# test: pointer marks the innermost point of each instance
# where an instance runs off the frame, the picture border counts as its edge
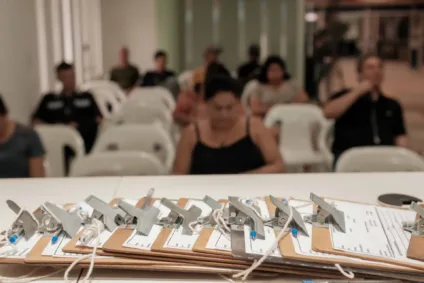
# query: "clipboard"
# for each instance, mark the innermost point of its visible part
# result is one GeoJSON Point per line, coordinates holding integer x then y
{"type": "Point", "coordinates": [288, 250]}
{"type": "Point", "coordinates": [114, 245]}
{"type": "Point", "coordinates": [72, 246]}
{"type": "Point", "coordinates": [321, 242]}
{"type": "Point", "coordinates": [416, 245]}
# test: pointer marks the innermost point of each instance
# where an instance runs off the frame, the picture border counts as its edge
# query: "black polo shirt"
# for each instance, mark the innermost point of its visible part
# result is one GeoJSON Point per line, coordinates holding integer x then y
{"type": "Point", "coordinates": [368, 123]}
{"type": "Point", "coordinates": [153, 78]}
{"type": "Point", "coordinates": [248, 71]}
{"type": "Point", "coordinates": [80, 108]}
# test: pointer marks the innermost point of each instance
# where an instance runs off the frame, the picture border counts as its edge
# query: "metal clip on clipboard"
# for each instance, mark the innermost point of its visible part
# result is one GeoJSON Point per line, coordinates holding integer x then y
{"type": "Point", "coordinates": [326, 214]}
{"type": "Point", "coordinates": [416, 227]}
{"type": "Point", "coordinates": [240, 215]}
{"type": "Point", "coordinates": [145, 217]}
{"type": "Point", "coordinates": [180, 216]}
{"type": "Point", "coordinates": [111, 216]}
{"type": "Point", "coordinates": [25, 224]}
{"type": "Point", "coordinates": [282, 213]}
{"type": "Point", "coordinates": [60, 220]}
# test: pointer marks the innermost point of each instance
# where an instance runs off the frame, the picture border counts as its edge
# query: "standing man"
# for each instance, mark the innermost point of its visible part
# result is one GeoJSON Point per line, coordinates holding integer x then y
{"type": "Point", "coordinates": [126, 74]}
{"type": "Point", "coordinates": [251, 69]}
{"type": "Point", "coordinates": [364, 115]}
{"type": "Point", "coordinates": [160, 74]}
{"type": "Point", "coordinates": [70, 107]}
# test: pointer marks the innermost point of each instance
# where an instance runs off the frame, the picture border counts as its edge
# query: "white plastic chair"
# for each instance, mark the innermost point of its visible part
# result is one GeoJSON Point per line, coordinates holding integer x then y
{"type": "Point", "coordinates": [108, 85]}
{"type": "Point", "coordinates": [157, 95]}
{"type": "Point", "coordinates": [303, 132]}
{"type": "Point", "coordinates": [152, 139]}
{"type": "Point", "coordinates": [125, 163]}
{"type": "Point", "coordinates": [185, 78]}
{"type": "Point", "coordinates": [137, 112]}
{"type": "Point", "coordinates": [379, 159]}
{"type": "Point", "coordinates": [105, 98]}
{"type": "Point", "coordinates": [247, 92]}
{"type": "Point", "coordinates": [54, 139]}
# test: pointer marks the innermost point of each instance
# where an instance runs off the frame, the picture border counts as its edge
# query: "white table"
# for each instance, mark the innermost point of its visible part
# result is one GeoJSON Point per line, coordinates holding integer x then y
{"type": "Point", "coordinates": [355, 187]}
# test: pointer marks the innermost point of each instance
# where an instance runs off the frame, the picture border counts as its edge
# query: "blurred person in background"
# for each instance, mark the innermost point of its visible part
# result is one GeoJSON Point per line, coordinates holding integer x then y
{"type": "Point", "coordinates": [364, 115]}
{"type": "Point", "coordinates": [190, 104]}
{"type": "Point", "coordinates": [21, 151]}
{"type": "Point", "coordinates": [274, 86]}
{"type": "Point", "coordinates": [226, 142]}
{"type": "Point", "coordinates": [250, 70]}
{"type": "Point", "coordinates": [125, 74]}
{"type": "Point", "coordinates": [210, 55]}
{"type": "Point", "coordinates": [70, 107]}
{"type": "Point", "coordinates": [160, 74]}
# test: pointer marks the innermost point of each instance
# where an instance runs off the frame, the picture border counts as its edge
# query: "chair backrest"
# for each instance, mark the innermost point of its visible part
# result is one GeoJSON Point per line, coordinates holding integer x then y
{"type": "Point", "coordinates": [55, 138]}
{"type": "Point", "coordinates": [247, 91]}
{"type": "Point", "coordinates": [152, 139]}
{"type": "Point", "coordinates": [108, 85]}
{"type": "Point", "coordinates": [153, 94]}
{"type": "Point", "coordinates": [379, 159]}
{"type": "Point", "coordinates": [294, 113]}
{"type": "Point", "coordinates": [118, 163]}
{"type": "Point", "coordinates": [136, 112]}
{"type": "Point", "coordinates": [185, 78]}
{"type": "Point", "coordinates": [107, 102]}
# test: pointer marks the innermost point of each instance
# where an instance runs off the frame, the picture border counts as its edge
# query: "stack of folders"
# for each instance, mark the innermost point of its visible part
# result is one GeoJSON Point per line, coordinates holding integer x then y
{"type": "Point", "coordinates": [319, 238]}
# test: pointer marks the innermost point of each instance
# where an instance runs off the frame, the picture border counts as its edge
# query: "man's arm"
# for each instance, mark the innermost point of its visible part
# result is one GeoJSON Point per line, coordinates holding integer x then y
{"type": "Point", "coordinates": [401, 138]}
{"type": "Point", "coordinates": [40, 115]}
{"type": "Point", "coordinates": [341, 102]}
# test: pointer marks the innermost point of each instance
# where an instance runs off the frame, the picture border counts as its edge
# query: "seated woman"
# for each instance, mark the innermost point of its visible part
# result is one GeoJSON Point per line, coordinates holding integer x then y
{"type": "Point", "coordinates": [274, 86]}
{"type": "Point", "coordinates": [226, 142]}
{"type": "Point", "coordinates": [21, 151]}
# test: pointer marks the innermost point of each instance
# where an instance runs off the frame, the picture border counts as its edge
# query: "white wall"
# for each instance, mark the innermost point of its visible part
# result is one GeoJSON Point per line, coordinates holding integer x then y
{"type": "Point", "coordinates": [131, 23]}
{"type": "Point", "coordinates": [19, 80]}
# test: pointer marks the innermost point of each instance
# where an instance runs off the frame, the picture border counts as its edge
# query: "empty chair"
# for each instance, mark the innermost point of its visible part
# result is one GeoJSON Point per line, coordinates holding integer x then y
{"type": "Point", "coordinates": [108, 85]}
{"type": "Point", "coordinates": [107, 102]}
{"type": "Point", "coordinates": [153, 94]}
{"type": "Point", "coordinates": [185, 78]}
{"type": "Point", "coordinates": [303, 132]}
{"type": "Point", "coordinates": [117, 163]}
{"type": "Point", "coordinates": [137, 112]}
{"type": "Point", "coordinates": [379, 159]}
{"type": "Point", "coordinates": [55, 138]}
{"type": "Point", "coordinates": [245, 97]}
{"type": "Point", "coordinates": [152, 139]}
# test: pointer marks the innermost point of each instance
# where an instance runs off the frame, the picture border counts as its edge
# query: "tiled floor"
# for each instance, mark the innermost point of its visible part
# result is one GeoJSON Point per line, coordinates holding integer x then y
{"type": "Point", "coordinates": [407, 87]}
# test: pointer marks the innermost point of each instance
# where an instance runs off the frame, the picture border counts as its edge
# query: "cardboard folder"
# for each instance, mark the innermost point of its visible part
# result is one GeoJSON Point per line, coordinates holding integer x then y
{"type": "Point", "coordinates": [416, 246]}
{"type": "Point", "coordinates": [321, 242]}
{"type": "Point", "coordinates": [288, 251]}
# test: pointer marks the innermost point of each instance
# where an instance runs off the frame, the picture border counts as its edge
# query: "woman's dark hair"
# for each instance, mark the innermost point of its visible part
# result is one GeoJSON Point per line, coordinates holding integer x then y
{"type": "Point", "coordinates": [3, 107]}
{"type": "Point", "coordinates": [221, 83]}
{"type": "Point", "coordinates": [213, 69]}
{"type": "Point", "coordinates": [274, 59]}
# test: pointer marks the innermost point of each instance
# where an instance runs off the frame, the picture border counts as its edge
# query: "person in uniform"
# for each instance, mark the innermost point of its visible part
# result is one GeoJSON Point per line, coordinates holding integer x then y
{"type": "Point", "coordinates": [70, 107]}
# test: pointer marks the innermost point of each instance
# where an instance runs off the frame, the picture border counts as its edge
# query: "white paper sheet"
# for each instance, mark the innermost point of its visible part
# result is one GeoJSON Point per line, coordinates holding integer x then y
{"type": "Point", "coordinates": [185, 242]}
{"type": "Point", "coordinates": [373, 231]}
{"type": "Point", "coordinates": [260, 247]}
{"type": "Point", "coordinates": [22, 246]}
{"type": "Point", "coordinates": [55, 250]}
{"type": "Point", "coordinates": [217, 241]}
{"type": "Point", "coordinates": [141, 242]}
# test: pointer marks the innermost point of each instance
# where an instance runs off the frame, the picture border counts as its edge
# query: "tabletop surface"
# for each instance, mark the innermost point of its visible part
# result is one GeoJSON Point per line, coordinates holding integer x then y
{"type": "Point", "coordinates": [363, 187]}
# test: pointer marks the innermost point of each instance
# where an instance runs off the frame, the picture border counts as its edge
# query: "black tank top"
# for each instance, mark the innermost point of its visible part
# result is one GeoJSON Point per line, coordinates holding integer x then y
{"type": "Point", "coordinates": [242, 156]}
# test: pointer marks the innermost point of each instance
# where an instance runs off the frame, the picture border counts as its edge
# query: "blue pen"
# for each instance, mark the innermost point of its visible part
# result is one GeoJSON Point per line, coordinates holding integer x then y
{"type": "Point", "coordinates": [15, 237]}
{"type": "Point", "coordinates": [55, 237]}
